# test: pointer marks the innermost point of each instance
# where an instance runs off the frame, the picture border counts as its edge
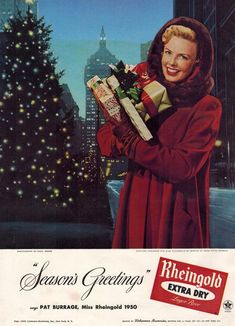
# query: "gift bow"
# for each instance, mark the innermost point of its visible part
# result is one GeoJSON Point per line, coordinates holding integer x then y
{"type": "Point", "coordinates": [149, 97]}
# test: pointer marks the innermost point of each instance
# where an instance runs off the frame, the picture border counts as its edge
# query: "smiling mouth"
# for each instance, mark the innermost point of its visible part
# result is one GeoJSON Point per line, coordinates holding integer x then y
{"type": "Point", "coordinates": [172, 71]}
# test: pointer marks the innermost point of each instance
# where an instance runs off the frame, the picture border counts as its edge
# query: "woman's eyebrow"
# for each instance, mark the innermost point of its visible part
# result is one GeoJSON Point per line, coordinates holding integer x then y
{"type": "Point", "coordinates": [166, 48]}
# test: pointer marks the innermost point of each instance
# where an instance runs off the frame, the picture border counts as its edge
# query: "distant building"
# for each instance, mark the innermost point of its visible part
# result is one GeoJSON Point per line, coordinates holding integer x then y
{"type": "Point", "coordinates": [11, 7]}
{"type": "Point", "coordinates": [69, 114]}
{"type": "Point", "coordinates": [69, 102]}
{"type": "Point", "coordinates": [98, 64]}
{"type": "Point", "coordinates": [144, 48]}
{"type": "Point", "coordinates": [188, 8]}
{"type": "Point", "coordinates": [81, 134]}
{"type": "Point", "coordinates": [219, 17]}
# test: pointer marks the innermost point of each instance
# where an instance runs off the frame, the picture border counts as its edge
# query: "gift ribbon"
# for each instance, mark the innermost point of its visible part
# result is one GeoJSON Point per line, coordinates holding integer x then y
{"type": "Point", "coordinates": [154, 99]}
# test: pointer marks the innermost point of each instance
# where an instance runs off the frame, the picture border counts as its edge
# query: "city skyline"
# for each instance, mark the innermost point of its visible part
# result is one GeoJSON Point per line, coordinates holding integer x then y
{"type": "Point", "coordinates": [76, 31]}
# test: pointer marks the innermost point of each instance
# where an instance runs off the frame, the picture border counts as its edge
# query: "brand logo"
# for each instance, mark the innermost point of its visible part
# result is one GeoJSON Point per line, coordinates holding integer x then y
{"type": "Point", "coordinates": [228, 305]}
{"type": "Point", "coordinates": [189, 286]}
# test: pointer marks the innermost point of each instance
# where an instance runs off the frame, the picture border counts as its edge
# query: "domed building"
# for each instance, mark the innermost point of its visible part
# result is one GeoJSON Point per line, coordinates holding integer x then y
{"type": "Point", "coordinates": [97, 64]}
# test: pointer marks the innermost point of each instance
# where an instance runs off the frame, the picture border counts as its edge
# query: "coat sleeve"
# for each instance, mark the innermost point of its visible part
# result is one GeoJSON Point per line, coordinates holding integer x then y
{"type": "Point", "coordinates": [108, 143]}
{"type": "Point", "coordinates": [182, 161]}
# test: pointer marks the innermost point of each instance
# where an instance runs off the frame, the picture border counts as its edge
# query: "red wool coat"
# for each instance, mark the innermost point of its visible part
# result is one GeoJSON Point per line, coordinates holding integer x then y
{"type": "Point", "coordinates": [165, 198]}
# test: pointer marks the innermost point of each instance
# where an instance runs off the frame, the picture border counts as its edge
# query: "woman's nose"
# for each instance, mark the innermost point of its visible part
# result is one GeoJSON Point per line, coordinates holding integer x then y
{"type": "Point", "coordinates": [172, 60]}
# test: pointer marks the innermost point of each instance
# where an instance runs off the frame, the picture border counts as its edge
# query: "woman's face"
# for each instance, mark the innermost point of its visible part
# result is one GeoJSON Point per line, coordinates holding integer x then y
{"type": "Point", "coordinates": [178, 59]}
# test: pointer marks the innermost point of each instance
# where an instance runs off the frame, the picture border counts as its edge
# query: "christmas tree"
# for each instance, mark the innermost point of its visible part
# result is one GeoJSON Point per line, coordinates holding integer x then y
{"type": "Point", "coordinates": [67, 164]}
{"type": "Point", "coordinates": [29, 111]}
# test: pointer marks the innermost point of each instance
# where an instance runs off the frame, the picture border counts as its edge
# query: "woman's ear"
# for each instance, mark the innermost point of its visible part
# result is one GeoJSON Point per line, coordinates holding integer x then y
{"type": "Point", "coordinates": [197, 61]}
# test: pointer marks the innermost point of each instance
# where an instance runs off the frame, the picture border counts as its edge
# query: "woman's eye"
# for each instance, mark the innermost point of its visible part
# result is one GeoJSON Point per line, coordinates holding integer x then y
{"type": "Point", "coordinates": [167, 52]}
{"type": "Point", "coordinates": [184, 57]}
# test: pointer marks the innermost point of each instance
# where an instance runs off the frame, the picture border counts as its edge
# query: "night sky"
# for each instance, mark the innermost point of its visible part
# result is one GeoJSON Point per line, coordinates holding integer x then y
{"type": "Point", "coordinates": [76, 28]}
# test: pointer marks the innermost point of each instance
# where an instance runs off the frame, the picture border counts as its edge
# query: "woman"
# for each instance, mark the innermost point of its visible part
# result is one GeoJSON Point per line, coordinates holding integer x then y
{"type": "Point", "coordinates": [165, 199]}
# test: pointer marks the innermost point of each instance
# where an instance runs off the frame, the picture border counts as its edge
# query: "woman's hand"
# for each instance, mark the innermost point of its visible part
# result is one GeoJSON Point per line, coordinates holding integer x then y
{"type": "Point", "coordinates": [122, 127]}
